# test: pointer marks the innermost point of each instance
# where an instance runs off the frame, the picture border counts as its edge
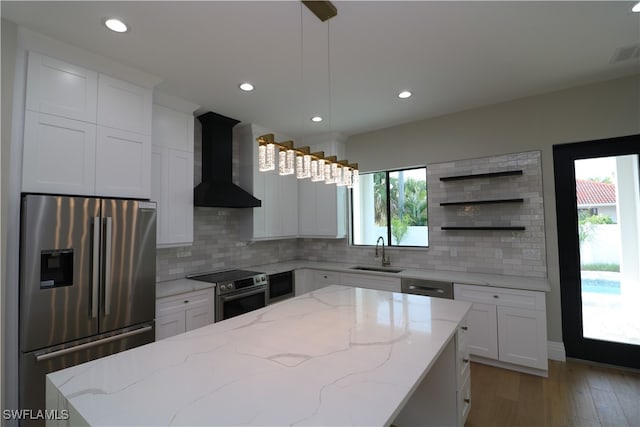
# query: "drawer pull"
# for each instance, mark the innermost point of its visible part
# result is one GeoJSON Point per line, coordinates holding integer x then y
{"type": "Point", "coordinates": [186, 301]}
{"type": "Point", "coordinates": [464, 328]}
{"type": "Point", "coordinates": [467, 400]}
{"type": "Point", "coordinates": [496, 296]}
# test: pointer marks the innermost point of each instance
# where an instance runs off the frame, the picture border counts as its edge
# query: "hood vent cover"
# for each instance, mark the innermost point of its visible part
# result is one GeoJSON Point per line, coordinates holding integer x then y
{"type": "Point", "coordinates": [217, 188]}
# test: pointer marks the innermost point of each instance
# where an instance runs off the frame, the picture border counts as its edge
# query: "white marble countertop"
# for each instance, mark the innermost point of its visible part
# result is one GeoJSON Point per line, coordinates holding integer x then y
{"type": "Point", "coordinates": [482, 279]}
{"type": "Point", "coordinates": [336, 356]}
{"type": "Point", "coordinates": [180, 286]}
{"type": "Point", "coordinates": [174, 287]}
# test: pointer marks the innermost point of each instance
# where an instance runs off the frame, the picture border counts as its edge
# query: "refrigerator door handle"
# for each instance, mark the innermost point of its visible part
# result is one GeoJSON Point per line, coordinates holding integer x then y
{"type": "Point", "coordinates": [46, 356]}
{"type": "Point", "coordinates": [96, 267]}
{"type": "Point", "coordinates": [107, 266]}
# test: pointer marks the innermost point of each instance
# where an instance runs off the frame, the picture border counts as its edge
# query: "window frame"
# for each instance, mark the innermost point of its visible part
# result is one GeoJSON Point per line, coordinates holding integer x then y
{"type": "Point", "coordinates": [387, 172]}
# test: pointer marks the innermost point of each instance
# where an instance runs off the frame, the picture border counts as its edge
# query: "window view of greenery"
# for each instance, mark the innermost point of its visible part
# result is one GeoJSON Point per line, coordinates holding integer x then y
{"type": "Point", "coordinates": [400, 195]}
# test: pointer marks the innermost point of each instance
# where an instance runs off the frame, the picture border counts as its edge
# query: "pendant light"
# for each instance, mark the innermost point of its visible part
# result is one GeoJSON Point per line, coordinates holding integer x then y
{"type": "Point", "coordinates": [266, 153]}
{"type": "Point", "coordinates": [300, 161]}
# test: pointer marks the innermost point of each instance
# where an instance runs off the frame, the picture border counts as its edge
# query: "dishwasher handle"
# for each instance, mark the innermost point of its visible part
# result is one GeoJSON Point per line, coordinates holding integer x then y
{"type": "Point", "coordinates": [430, 288]}
{"type": "Point", "coordinates": [425, 289]}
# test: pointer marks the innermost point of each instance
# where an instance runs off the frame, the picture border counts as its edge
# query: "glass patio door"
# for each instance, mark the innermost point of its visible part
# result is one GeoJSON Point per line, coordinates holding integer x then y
{"type": "Point", "coordinates": [598, 211]}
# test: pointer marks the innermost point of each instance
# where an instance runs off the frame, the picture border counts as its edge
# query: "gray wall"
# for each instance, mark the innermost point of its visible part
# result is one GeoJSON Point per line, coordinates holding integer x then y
{"type": "Point", "coordinates": [8, 73]}
{"type": "Point", "coordinates": [537, 123]}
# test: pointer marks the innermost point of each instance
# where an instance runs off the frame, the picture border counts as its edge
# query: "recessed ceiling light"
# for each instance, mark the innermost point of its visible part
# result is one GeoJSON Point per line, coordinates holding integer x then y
{"type": "Point", "coordinates": [316, 119]}
{"type": "Point", "coordinates": [636, 8]}
{"type": "Point", "coordinates": [247, 87]}
{"type": "Point", "coordinates": [116, 25]}
{"type": "Point", "coordinates": [404, 94]}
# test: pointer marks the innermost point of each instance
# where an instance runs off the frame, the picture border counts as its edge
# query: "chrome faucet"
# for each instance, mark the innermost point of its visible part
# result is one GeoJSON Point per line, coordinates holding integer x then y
{"type": "Point", "coordinates": [385, 261]}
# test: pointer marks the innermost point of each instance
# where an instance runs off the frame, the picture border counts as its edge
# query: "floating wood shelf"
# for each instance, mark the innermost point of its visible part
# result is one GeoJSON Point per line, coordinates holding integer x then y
{"type": "Point", "coordinates": [482, 175]}
{"type": "Point", "coordinates": [502, 228]}
{"type": "Point", "coordinates": [482, 202]}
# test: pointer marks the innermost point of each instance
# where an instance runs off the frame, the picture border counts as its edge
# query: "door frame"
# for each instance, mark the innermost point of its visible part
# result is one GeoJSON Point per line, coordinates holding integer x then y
{"type": "Point", "coordinates": [576, 345]}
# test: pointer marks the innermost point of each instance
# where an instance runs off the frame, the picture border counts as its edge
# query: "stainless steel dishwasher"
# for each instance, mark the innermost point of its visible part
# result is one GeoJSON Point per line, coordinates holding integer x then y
{"type": "Point", "coordinates": [430, 288]}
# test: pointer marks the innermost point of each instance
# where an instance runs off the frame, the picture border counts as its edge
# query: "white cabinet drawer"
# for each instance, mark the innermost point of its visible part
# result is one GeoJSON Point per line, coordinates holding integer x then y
{"type": "Point", "coordinates": [464, 402]}
{"type": "Point", "coordinates": [181, 302]}
{"type": "Point", "coordinates": [380, 283]}
{"type": "Point", "coordinates": [516, 298]}
{"type": "Point", "coordinates": [463, 363]}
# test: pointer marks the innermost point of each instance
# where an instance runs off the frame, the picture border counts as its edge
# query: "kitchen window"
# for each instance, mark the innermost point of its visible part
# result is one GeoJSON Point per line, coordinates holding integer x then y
{"type": "Point", "coordinates": [391, 204]}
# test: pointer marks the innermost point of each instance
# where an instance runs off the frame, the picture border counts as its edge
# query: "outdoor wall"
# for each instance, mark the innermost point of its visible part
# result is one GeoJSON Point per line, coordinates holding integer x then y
{"type": "Point", "coordinates": [584, 113]}
{"type": "Point", "coordinates": [602, 245]}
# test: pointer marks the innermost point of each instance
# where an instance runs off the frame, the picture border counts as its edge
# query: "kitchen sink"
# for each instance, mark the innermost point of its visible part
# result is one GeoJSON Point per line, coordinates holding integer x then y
{"type": "Point", "coordinates": [372, 268]}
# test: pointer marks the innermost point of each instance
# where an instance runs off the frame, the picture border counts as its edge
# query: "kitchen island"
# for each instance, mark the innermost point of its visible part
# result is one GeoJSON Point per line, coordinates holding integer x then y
{"type": "Point", "coordinates": [336, 356]}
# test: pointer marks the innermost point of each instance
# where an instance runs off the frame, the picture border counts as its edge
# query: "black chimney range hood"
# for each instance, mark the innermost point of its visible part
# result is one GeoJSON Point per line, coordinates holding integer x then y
{"type": "Point", "coordinates": [217, 188]}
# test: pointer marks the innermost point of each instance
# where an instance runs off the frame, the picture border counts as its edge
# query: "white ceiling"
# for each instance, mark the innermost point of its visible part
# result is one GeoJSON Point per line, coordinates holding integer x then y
{"type": "Point", "coordinates": [452, 55]}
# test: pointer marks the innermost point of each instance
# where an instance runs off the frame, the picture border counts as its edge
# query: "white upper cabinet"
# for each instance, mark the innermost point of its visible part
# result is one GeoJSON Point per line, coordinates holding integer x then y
{"type": "Point", "coordinates": [59, 155]}
{"type": "Point", "coordinates": [322, 210]}
{"type": "Point", "coordinates": [85, 133]}
{"type": "Point", "coordinates": [61, 89]}
{"type": "Point", "coordinates": [172, 169]}
{"type": "Point", "coordinates": [277, 218]}
{"type": "Point", "coordinates": [123, 163]}
{"type": "Point", "coordinates": [125, 106]}
{"type": "Point", "coordinates": [171, 128]}
{"type": "Point", "coordinates": [322, 207]}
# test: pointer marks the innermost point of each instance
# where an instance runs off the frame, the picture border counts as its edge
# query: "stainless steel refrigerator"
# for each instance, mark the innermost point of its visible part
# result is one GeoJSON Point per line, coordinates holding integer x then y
{"type": "Point", "coordinates": [87, 283]}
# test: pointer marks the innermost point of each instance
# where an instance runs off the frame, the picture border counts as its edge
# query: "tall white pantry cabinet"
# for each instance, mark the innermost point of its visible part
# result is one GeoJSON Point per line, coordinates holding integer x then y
{"type": "Point", "coordinates": [172, 169]}
{"type": "Point", "coordinates": [85, 133]}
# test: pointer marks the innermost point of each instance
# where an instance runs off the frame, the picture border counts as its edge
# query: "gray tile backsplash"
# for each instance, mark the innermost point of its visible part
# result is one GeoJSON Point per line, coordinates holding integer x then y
{"type": "Point", "coordinates": [218, 244]}
{"type": "Point", "coordinates": [518, 253]}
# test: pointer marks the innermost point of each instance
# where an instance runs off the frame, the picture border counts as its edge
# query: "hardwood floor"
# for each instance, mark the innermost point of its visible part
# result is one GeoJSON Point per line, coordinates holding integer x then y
{"type": "Point", "coordinates": [575, 394]}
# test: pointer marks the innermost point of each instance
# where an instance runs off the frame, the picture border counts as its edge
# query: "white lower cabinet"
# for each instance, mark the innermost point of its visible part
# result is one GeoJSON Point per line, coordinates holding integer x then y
{"type": "Point", "coordinates": [325, 278]}
{"type": "Point", "coordinates": [371, 281]}
{"type": "Point", "coordinates": [506, 325]}
{"type": "Point", "coordinates": [522, 336]}
{"type": "Point", "coordinates": [184, 312]}
{"type": "Point", "coordinates": [484, 339]}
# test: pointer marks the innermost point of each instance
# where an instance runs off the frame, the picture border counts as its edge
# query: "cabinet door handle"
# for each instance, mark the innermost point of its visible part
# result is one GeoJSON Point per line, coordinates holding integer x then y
{"type": "Point", "coordinates": [464, 328]}
{"type": "Point", "coordinates": [496, 296]}
{"type": "Point", "coordinates": [465, 360]}
{"type": "Point", "coordinates": [467, 400]}
{"type": "Point", "coordinates": [186, 301]}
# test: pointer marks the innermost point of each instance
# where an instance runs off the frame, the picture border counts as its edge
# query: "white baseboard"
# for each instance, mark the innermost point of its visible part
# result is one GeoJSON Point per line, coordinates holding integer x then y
{"type": "Point", "coordinates": [556, 351]}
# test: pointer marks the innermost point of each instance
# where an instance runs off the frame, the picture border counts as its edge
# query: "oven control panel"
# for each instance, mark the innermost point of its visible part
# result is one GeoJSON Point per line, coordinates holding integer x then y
{"type": "Point", "coordinates": [247, 283]}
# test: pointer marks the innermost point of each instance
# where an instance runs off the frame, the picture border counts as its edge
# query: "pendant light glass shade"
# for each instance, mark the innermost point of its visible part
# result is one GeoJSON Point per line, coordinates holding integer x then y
{"type": "Point", "coordinates": [282, 162]}
{"type": "Point", "coordinates": [328, 176]}
{"type": "Point", "coordinates": [347, 174]}
{"type": "Point", "coordinates": [286, 162]}
{"type": "Point", "coordinates": [303, 166]}
{"type": "Point", "coordinates": [355, 178]}
{"type": "Point", "coordinates": [317, 170]}
{"type": "Point", "coordinates": [291, 162]}
{"type": "Point", "coordinates": [266, 157]}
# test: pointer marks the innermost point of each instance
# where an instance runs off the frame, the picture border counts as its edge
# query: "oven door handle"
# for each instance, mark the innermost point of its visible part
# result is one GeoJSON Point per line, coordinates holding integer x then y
{"type": "Point", "coordinates": [235, 296]}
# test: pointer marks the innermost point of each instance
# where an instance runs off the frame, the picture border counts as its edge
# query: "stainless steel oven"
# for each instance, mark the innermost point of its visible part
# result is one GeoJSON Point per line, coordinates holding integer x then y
{"type": "Point", "coordinates": [237, 291]}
